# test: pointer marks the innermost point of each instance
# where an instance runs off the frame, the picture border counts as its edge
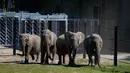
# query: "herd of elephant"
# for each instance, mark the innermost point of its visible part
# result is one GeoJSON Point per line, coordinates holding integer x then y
{"type": "Point", "coordinates": [48, 45]}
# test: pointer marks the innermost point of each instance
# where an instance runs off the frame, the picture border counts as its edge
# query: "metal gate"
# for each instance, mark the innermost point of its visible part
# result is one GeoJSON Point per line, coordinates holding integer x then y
{"type": "Point", "coordinates": [12, 24]}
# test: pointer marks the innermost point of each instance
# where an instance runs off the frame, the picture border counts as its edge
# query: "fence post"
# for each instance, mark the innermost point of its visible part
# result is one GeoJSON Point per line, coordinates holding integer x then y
{"type": "Point", "coordinates": [115, 46]}
{"type": "Point", "coordinates": [14, 39]}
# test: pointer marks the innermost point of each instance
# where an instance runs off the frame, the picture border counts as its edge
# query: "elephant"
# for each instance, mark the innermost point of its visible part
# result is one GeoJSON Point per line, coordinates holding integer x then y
{"type": "Point", "coordinates": [62, 49]}
{"type": "Point", "coordinates": [48, 46]}
{"type": "Point", "coordinates": [30, 44]}
{"type": "Point", "coordinates": [93, 44]}
{"type": "Point", "coordinates": [73, 40]}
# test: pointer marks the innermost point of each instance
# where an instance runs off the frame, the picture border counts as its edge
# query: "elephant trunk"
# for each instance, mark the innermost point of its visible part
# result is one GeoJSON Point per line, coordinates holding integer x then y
{"type": "Point", "coordinates": [48, 52]}
{"type": "Point", "coordinates": [23, 46]}
{"type": "Point", "coordinates": [74, 43]}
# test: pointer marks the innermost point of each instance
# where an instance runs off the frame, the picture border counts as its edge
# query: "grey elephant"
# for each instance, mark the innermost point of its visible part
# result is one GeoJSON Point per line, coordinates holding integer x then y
{"type": "Point", "coordinates": [48, 46]}
{"type": "Point", "coordinates": [30, 45]}
{"type": "Point", "coordinates": [62, 49]}
{"type": "Point", "coordinates": [73, 40]}
{"type": "Point", "coordinates": [93, 44]}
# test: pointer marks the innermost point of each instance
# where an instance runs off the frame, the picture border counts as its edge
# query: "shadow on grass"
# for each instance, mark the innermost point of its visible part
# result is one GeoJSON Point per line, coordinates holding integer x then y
{"type": "Point", "coordinates": [65, 65]}
{"type": "Point", "coordinates": [15, 62]}
{"type": "Point", "coordinates": [20, 62]}
{"type": "Point", "coordinates": [77, 65]}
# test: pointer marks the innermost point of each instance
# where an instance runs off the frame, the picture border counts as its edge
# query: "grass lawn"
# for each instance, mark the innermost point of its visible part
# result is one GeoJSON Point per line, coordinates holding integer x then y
{"type": "Point", "coordinates": [37, 68]}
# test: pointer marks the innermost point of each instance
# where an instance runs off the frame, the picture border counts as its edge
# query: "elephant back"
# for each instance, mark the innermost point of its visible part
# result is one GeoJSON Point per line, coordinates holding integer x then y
{"type": "Point", "coordinates": [61, 36]}
{"type": "Point", "coordinates": [23, 35]}
{"type": "Point", "coordinates": [61, 39]}
{"type": "Point", "coordinates": [36, 38]}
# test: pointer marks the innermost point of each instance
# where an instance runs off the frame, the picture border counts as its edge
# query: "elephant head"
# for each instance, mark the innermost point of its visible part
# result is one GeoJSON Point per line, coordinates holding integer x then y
{"type": "Point", "coordinates": [24, 41]}
{"type": "Point", "coordinates": [74, 40]}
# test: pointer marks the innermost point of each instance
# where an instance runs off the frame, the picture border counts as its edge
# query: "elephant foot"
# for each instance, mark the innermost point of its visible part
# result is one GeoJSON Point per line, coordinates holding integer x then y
{"type": "Point", "coordinates": [42, 62]}
{"type": "Point", "coordinates": [92, 65]}
{"type": "Point", "coordinates": [37, 61]}
{"type": "Point", "coordinates": [46, 63]}
{"type": "Point", "coordinates": [72, 63]}
{"type": "Point", "coordinates": [26, 62]}
{"type": "Point", "coordinates": [33, 58]}
{"type": "Point", "coordinates": [64, 63]}
{"type": "Point", "coordinates": [88, 64]}
{"type": "Point", "coordinates": [99, 66]}
{"type": "Point", "coordinates": [59, 63]}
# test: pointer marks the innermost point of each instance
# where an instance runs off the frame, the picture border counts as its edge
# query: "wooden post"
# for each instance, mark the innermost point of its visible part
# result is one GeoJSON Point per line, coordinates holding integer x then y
{"type": "Point", "coordinates": [115, 46]}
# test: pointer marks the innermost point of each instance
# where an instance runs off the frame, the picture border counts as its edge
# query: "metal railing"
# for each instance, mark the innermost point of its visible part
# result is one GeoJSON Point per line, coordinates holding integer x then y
{"type": "Point", "coordinates": [24, 22]}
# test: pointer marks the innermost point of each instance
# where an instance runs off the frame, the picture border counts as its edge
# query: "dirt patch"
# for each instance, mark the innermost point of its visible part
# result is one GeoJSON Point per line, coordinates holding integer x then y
{"type": "Point", "coordinates": [6, 56]}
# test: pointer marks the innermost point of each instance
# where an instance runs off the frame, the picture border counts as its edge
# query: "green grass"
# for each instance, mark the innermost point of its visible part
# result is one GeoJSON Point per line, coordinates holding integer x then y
{"type": "Point", "coordinates": [37, 68]}
{"type": "Point", "coordinates": [80, 68]}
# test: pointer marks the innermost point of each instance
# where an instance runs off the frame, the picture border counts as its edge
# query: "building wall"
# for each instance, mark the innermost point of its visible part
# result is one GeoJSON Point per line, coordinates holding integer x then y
{"type": "Point", "coordinates": [107, 23]}
{"type": "Point", "coordinates": [112, 12]}
{"type": "Point", "coordinates": [124, 26]}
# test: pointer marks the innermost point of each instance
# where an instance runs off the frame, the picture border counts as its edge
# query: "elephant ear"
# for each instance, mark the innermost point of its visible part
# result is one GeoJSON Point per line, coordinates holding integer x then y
{"type": "Point", "coordinates": [81, 37]}
{"type": "Point", "coordinates": [78, 38]}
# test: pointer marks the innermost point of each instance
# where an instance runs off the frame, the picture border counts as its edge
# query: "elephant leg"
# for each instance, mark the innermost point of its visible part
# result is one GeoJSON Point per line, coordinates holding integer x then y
{"type": "Point", "coordinates": [74, 54]}
{"type": "Point", "coordinates": [46, 60]}
{"type": "Point", "coordinates": [26, 58]}
{"type": "Point", "coordinates": [90, 60]}
{"type": "Point", "coordinates": [43, 57]}
{"type": "Point", "coordinates": [53, 53]}
{"type": "Point", "coordinates": [64, 59]}
{"type": "Point", "coordinates": [32, 55]}
{"type": "Point", "coordinates": [97, 61]}
{"type": "Point", "coordinates": [60, 60]}
{"type": "Point", "coordinates": [53, 57]}
{"type": "Point", "coordinates": [27, 52]}
{"type": "Point", "coordinates": [38, 54]}
{"type": "Point", "coordinates": [70, 57]}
